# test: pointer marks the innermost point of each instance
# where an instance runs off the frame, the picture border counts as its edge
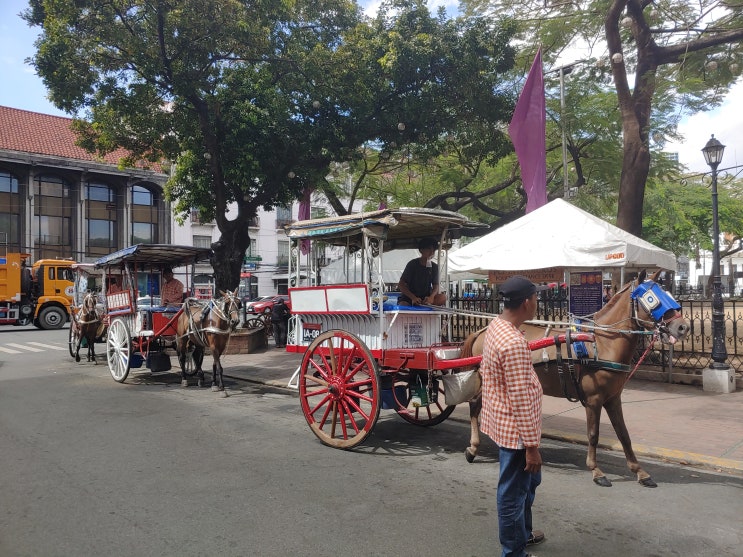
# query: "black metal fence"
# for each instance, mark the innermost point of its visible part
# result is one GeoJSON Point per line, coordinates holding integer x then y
{"type": "Point", "coordinates": [478, 306]}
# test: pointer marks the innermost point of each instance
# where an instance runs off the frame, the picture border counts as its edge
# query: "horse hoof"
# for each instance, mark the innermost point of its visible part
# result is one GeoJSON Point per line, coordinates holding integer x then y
{"type": "Point", "coordinates": [648, 482]}
{"type": "Point", "coordinates": [77, 358]}
{"type": "Point", "coordinates": [215, 389]}
{"type": "Point", "coordinates": [184, 383]}
{"type": "Point", "coordinates": [469, 455]}
{"type": "Point", "coordinates": [602, 481]}
{"type": "Point", "coordinates": [200, 383]}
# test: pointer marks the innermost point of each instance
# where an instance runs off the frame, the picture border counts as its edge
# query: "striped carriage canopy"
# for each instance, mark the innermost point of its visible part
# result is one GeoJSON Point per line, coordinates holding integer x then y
{"type": "Point", "coordinates": [155, 255]}
{"type": "Point", "coordinates": [399, 228]}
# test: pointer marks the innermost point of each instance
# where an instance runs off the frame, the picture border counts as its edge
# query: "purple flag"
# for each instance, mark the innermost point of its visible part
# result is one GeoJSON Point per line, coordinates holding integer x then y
{"type": "Point", "coordinates": [527, 131]}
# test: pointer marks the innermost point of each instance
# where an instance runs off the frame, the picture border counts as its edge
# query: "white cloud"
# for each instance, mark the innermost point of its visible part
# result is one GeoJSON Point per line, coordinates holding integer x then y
{"type": "Point", "coordinates": [725, 122]}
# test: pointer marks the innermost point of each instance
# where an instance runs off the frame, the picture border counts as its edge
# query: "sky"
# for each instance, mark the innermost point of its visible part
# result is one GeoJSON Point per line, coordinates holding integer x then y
{"type": "Point", "coordinates": [22, 88]}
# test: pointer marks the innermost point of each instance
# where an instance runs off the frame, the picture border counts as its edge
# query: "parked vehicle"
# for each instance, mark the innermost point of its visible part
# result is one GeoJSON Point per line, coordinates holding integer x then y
{"type": "Point", "coordinates": [40, 293]}
{"type": "Point", "coordinates": [264, 304]}
{"type": "Point", "coordinates": [148, 301]}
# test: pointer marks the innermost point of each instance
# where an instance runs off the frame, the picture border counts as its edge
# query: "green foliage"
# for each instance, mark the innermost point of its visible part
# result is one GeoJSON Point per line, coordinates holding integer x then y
{"type": "Point", "coordinates": [675, 57]}
{"type": "Point", "coordinates": [678, 216]}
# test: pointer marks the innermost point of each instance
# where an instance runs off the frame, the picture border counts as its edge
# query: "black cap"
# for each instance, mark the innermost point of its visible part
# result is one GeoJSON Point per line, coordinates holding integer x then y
{"type": "Point", "coordinates": [519, 288]}
{"type": "Point", "coordinates": [167, 270]}
{"type": "Point", "coordinates": [425, 243]}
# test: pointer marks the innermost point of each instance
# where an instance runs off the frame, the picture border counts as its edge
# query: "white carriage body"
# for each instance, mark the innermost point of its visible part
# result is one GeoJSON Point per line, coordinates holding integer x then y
{"type": "Point", "coordinates": [386, 329]}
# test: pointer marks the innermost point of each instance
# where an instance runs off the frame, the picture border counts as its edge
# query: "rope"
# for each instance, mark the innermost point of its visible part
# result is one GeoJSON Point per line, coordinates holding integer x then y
{"type": "Point", "coordinates": [543, 323]}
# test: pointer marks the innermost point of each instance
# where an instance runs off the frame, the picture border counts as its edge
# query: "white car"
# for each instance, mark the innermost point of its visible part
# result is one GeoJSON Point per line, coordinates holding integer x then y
{"type": "Point", "coordinates": [148, 301]}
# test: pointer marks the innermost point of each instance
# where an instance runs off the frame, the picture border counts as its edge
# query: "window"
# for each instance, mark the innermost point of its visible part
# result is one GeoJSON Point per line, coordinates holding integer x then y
{"type": "Point", "coordinates": [142, 196]}
{"type": "Point", "coordinates": [283, 216]}
{"type": "Point", "coordinates": [53, 212]}
{"type": "Point", "coordinates": [8, 183]}
{"type": "Point", "coordinates": [10, 210]}
{"type": "Point", "coordinates": [102, 210]}
{"type": "Point", "coordinates": [145, 216]}
{"type": "Point", "coordinates": [143, 233]}
{"type": "Point", "coordinates": [282, 260]}
{"type": "Point", "coordinates": [202, 241]}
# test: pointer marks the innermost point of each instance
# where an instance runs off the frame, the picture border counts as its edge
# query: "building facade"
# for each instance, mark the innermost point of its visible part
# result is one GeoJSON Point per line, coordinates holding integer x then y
{"type": "Point", "coordinates": [58, 200]}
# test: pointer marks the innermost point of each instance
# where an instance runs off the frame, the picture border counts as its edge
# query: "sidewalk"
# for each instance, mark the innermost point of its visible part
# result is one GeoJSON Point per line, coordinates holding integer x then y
{"type": "Point", "coordinates": [678, 423]}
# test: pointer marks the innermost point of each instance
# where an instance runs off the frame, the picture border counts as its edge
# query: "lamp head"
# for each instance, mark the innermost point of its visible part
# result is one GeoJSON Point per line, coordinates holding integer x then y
{"type": "Point", "coordinates": [713, 152]}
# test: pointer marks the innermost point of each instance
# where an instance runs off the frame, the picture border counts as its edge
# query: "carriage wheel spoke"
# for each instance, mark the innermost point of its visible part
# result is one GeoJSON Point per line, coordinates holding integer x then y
{"type": "Point", "coordinates": [340, 380]}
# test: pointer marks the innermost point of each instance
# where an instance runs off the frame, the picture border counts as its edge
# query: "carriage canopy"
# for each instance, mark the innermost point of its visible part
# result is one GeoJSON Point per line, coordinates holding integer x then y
{"type": "Point", "coordinates": [155, 255]}
{"type": "Point", "coordinates": [399, 228]}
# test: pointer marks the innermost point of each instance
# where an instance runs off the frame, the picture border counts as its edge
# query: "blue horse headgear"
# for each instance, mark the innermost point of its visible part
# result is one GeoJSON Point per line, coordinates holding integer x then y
{"type": "Point", "coordinates": [654, 299]}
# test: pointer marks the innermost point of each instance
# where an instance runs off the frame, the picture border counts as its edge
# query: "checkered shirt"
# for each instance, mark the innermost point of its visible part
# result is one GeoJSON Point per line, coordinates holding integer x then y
{"type": "Point", "coordinates": [511, 392]}
{"type": "Point", "coordinates": [171, 292]}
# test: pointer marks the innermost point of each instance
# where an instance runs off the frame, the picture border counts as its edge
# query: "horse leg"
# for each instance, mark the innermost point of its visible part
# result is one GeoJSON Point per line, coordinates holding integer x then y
{"type": "Point", "coordinates": [91, 351]}
{"type": "Point", "coordinates": [593, 419]}
{"type": "Point", "coordinates": [217, 382]}
{"type": "Point", "coordinates": [614, 411]}
{"type": "Point", "coordinates": [181, 348]}
{"type": "Point", "coordinates": [77, 350]}
{"type": "Point", "coordinates": [475, 408]}
{"type": "Point", "coordinates": [198, 360]}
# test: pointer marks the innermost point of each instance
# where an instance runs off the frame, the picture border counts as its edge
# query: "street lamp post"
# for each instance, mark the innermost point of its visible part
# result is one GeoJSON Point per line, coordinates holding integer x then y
{"type": "Point", "coordinates": [713, 151]}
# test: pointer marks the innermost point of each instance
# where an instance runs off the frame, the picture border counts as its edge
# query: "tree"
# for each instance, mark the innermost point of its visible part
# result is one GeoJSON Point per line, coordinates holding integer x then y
{"type": "Point", "coordinates": [684, 56]}
{"type": "Point", "coordinates": [679, 216]}
{"type": "Point", "coordinates": [434, 94]}
{"type": "Point", "coordinates": [223, 88]}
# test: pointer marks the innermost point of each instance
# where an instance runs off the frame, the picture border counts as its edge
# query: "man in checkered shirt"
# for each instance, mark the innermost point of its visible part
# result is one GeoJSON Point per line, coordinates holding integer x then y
{"type": "Point", "coordinates": [512, 414]}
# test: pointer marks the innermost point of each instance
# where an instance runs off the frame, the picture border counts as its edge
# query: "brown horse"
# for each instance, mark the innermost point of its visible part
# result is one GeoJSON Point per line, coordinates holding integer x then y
{"type": "Point", "coordinates": [206, 325]}
{"type": "Point", "coordinates": [91, 326]}
{"type": "Point", "coordinates": [597, 379]}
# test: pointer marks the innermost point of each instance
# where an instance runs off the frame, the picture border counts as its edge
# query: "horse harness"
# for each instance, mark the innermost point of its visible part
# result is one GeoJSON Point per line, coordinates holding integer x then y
{"type": "Point", "coordinates": [655, 301]}
{"type": "Point", "coordinates": [198, 332]}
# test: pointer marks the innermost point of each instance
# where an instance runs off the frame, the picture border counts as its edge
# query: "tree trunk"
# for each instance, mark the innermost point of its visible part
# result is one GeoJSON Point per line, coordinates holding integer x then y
{"type": "Point", "coordinates": [227, 256]}
{"type": "Point", "coordinates": [635, 169]}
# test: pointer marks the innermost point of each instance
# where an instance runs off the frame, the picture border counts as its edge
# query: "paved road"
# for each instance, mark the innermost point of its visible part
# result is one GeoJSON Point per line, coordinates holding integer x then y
{"type": "Point", "coordinates": [92, 467]}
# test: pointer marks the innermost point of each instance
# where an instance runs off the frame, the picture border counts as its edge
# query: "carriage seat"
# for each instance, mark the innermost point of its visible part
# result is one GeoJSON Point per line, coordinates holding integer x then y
{"type": "Point", "coordinates": [158, 317]}
{"type": "Point", "coordinates": [395, 307]}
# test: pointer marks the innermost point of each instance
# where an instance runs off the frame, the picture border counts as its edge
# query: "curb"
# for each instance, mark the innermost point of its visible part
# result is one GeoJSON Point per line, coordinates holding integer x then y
{"type": "Point", "coordinates": [659, 453]}
{"type": "Point", "coordinates": [683, 458]}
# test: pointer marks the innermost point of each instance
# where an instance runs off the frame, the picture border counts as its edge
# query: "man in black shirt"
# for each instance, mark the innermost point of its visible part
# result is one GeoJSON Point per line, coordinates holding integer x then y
{"type": "Point", "coordinates": [419, 283]}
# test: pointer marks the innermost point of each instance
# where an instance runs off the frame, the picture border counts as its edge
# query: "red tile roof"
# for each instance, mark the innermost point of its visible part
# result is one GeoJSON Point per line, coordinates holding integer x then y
{"type": "Point", "coordinates": [43, 134]}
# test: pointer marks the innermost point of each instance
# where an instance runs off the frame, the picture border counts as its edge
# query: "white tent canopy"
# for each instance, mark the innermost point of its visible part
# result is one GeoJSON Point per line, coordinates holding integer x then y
{"type": "Point", "coordinates": [558, 234]}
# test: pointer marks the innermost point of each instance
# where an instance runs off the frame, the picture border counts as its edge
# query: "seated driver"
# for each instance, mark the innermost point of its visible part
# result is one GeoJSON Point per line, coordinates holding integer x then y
{"type": "Point", "coordinates": [419, 283]}
{"type": "Point", "coordinates": [171, 293]}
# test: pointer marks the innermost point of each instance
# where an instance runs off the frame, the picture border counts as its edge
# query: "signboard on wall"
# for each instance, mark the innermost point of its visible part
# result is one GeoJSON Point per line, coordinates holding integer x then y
{"type": "Point", "coordinates": [586, 292]}
{"type": "Point", "coordinates": [537, 276]}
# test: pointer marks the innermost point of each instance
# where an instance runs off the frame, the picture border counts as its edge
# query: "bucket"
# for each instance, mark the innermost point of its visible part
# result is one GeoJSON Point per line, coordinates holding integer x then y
{"type": "Point", "coordinates": [136, 360]}
{"type": "Point", "coordinates": [158, 361]}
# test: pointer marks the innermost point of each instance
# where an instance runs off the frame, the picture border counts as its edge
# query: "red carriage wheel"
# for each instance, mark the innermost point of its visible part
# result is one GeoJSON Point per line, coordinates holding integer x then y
{"type": "Point", "coordinates": [431, 412]}
{"type": "Point", "coordinates": [339, 389]}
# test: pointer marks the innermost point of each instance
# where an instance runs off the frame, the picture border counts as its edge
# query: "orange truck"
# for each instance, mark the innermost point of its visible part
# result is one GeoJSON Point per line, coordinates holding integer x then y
{"type": "Point", "coordinates": [40, 294]}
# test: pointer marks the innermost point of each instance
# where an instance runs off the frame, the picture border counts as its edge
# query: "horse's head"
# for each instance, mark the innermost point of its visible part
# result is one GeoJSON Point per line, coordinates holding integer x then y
{"type": "Point", "coordinates": [229, 306]}
{"type": "Point", "coordinates": [89, 307]}
{"type": "Point", "coordinates": [654, 308]}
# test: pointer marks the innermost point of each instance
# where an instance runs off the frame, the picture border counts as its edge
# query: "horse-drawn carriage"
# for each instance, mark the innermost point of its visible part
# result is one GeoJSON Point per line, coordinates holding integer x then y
{"type": "Point", "coordinates": [138, 333]}
{"type": "Point", "coordinates": [88, 316]}
{"type": "Point", "coordinates": [364, 352]}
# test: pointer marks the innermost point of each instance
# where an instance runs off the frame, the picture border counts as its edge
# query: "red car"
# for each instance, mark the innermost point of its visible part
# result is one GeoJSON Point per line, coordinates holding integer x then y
{"type": "Point", "coordinates": [264, 304]}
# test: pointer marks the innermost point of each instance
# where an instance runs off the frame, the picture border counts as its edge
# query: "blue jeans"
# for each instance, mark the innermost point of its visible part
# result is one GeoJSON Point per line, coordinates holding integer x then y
{"type": "Point", "coordinates": [516, 491]}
